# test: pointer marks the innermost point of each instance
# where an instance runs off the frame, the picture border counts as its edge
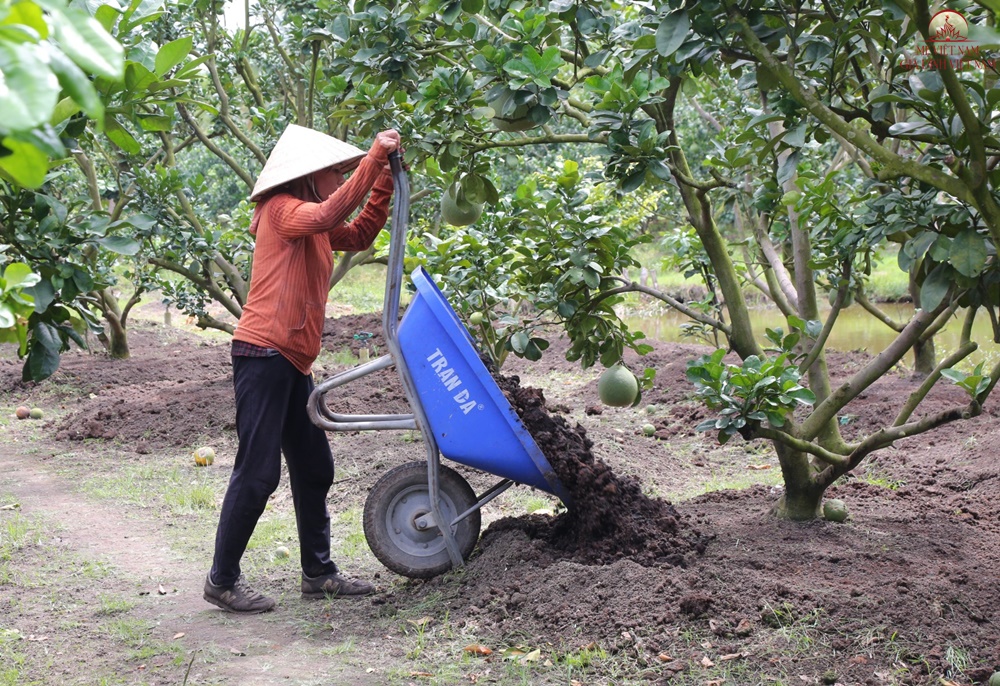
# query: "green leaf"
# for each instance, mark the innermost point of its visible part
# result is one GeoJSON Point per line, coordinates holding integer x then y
{"type": "Point", "coordinates": [192, 69]}
{"type": "Point", "coordinates": [120, 244]}
{"type": "Point", "coordinates": [120, 136]}
{"type": "Point", "coordinates": [156, 122]}
{"type": "Point", "coordinates": [65, 109]}
{"type": "Point", "coordinates": [968, 253]}
{"type": "Point", "coordinates": [672, 32]}
{"type": "Point", "coordinates": [519, 342]}
{"type": "Point", "coordinates": [935, 287]}
{"type": "Point", "coordinates": [28, 14]}
{"type": "Point", "coordinates": [76, 84]}
{"type": "Point", "coordinates": [26, 164]}
{"type": "Point", "coordinates": [953, 374]}
{"type": "Point", "coordinates": [106, 16]}
{"type": "Point", "coordinates": [138, 77]}
{"type": "Point", "coordinates": [28, 88]}
{"type": "Point", "coordinates": [172, 54]}
{"type": "Point", "coordinates": [44, 294]}
{"type": "Point", "coordinates": [43, 353]}
{"type": "Point", "coordinates": [19, 275]}
{"type": "Point", "coordinates": [86, 42]}
{"type": "Point", "coordinates": [7, 317]}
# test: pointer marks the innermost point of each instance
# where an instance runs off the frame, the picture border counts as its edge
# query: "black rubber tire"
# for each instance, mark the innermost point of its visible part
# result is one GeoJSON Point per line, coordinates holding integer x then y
{"type": "Point", "coordinates": [401, 495]}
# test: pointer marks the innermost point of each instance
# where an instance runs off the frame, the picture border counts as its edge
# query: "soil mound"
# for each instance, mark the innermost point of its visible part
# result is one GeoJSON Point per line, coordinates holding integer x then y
{"type": "Point", "coordinates": [610, 518]}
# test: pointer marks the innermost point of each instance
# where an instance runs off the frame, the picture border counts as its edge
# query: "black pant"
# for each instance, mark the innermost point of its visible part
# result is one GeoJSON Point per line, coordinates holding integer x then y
{"type": "Point", "coordinates": [271, 417]}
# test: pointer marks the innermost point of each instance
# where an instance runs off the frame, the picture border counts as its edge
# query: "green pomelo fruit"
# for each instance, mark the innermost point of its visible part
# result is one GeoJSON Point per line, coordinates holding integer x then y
{"type": "Point", "coordinates": [518, 120]}
{"type": "Point", "coordinates": [513, 125]}
{"type": "Point", "coordinates": [617, 387]}
{"type": "Point", "coordinates": [36, 413]}
{"type": "Point", "coordinates": [648, 429]}
{"type": "Point", "coordinates": [282, 553]}
{"type": "Point", "coordinates": [476, 318]}
{"type": "Point", "coordinates": [994, 679]}
{"type": "Point", "coordinates": [459, 213]}
{"type": "Point", "coordinates": [835, 510]}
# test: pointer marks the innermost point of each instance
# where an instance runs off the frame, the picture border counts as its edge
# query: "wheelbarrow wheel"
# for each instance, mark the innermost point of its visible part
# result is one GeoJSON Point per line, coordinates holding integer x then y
{"type": "Point", "coordinates": [402, 496]}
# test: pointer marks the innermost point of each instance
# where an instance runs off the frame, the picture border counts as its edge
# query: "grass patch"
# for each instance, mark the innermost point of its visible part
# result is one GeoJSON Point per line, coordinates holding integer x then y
{"type": "Point", "coordinates": [113, 605]}
{"type": "Point", "coordinates": [180, 490]}
{"type": "Point", "coordinates": [17, 532]}
{"type": "Point", "coordinates": [362, 290]}
{"type": "Point", "coordinates": [12, 661]}
{"type": "Point", "coordinates": [880, 478]}
{"type": "Point", "coordinates": [341, 358]}
{"type": "Point", "coordinates": [345, 647]}
{"type": "Point", "coordinates": [887, 282]}
{"type": "Point", "coordinates": [352, 543]}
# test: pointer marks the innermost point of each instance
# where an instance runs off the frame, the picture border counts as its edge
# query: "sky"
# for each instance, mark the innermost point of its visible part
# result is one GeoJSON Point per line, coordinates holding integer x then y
{"type": "Point", "coordinates": [234, 13]}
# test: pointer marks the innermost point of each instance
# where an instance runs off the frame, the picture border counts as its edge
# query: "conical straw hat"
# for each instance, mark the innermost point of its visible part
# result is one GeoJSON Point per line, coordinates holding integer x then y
{"type": "Point", "coordinates": [301, 151]}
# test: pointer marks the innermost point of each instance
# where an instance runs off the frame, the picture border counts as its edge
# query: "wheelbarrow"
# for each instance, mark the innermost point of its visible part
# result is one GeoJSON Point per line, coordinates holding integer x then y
{"type": "Point", "coordinates": [422, 519]}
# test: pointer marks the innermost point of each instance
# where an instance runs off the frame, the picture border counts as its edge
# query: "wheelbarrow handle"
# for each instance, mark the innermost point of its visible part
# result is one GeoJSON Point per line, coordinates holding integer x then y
{"type": "Point", "coordinates": [397, 246]}
{"type": "Point", "coordinates": [396, 163]}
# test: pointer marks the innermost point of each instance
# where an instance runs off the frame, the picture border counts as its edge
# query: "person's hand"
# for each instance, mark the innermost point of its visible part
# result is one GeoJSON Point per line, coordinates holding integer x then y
{"type": "Point", "coordinates": [388, 140]}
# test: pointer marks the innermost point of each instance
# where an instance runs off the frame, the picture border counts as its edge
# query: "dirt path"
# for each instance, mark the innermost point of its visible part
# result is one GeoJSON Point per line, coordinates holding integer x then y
{"type": "Point", "coordinates": [264, 649]}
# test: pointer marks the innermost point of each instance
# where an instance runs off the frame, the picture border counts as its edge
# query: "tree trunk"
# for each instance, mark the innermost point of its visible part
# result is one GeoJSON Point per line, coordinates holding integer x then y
{"type": "Point", "coordinates": [117, 340]}
{"type": "Point", "coordinates": [802, 498]}
{"type": "Point", "coordinates": [925, 357]}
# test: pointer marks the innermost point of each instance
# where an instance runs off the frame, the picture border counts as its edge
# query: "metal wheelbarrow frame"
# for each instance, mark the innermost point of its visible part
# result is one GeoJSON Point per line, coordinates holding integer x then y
{"type": "Point", "coordinates": [422, 520]}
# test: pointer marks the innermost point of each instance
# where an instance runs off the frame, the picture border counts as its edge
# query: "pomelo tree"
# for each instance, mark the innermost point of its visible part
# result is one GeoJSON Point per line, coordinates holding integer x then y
{"type": "Point", "coordinates": [832, 141]}
{"type": "Point", "coordinates": [49, 53]}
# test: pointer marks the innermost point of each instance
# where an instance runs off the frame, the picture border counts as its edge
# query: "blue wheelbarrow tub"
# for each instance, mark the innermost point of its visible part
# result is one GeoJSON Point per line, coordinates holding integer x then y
{"type": "Point", "coordinates": [472, 420]}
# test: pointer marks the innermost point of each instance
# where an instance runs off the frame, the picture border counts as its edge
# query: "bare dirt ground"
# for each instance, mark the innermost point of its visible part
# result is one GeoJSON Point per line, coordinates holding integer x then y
{"type": "Point", "coordinates": [106, 527]}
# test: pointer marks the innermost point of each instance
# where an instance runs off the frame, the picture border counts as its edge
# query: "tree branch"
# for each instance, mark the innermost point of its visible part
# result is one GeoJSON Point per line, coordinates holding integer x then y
{"type": "Point", "coordinates": [227, 119]}
{"type": "Point", "coordinates": [827, 456]}
{"type": "Point", "coordinates": [633, 287]}
{"type": "Point", "coordinates": [868, 374]}
{"type": "Point", "coordinates": [871, 308]}
{"type": "Point", "coordinates": [918, 395]}
{"type": "Point", "coordinates": [205, 282]}
{"type": "Point", "coordinates": [894, 165]}
{"type": "Point", "coordinates": [540, 140]}
{"type": "Point", "coordinates": [774, 260]}
{"type": "Point", "coordinates": [213, 148]}
{"type": "Point", "coordinates": [824, 335]}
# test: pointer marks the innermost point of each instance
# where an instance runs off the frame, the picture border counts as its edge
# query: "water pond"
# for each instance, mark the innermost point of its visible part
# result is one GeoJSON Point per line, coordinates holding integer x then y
{"type": "Point", "coordinates": [855, 329]}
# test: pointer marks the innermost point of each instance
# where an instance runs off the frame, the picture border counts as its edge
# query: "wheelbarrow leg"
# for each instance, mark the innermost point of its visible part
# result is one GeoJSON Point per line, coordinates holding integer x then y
{"type": "Point", "coordinates": [443, 525]}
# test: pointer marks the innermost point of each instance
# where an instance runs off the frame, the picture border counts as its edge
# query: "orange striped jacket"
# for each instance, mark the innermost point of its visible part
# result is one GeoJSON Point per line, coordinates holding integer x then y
{"type": "Point", "coordinates": [293, 260]}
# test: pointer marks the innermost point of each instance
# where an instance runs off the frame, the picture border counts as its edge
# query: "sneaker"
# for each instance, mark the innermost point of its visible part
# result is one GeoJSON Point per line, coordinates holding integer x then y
{"type": "Point", "coordinates": [237, 598]}
{"type": "Point", "coordinates": [334, 586]}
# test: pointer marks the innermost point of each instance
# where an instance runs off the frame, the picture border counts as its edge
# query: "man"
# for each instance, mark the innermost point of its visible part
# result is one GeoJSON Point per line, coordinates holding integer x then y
{"type": "Point", "coordinates": [303, 203]}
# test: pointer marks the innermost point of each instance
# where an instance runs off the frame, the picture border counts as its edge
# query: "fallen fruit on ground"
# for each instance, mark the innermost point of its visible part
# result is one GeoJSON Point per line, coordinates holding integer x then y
{"type": "Point", "coordinates": [648, 429]}
{"type": "Point", "coordinates": [618, 387]}
{"type": "Point", "coordinates": [35, 413]}
{"type": "Point", "coordinates": [282, 553]}
{"type": "Point", "coordinates": [22, 412]}
{"type": "Point", "coordinates": [994, 679]}
{"type": "Point", "coordinates": [459, 212]}
{"type": "Point", "coordinates": [835, 510]}
{"type": "Point", "coordinates": [204, 456]}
